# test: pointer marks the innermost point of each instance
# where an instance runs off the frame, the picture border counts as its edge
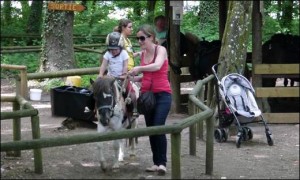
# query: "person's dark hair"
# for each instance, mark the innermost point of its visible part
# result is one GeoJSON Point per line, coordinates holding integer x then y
{"type": "Point", "coordinates": [148, 30]}
{"type": "Point", "coordinates": [160, 17]}
{"type": "Point", "coordinates": [123, 23]}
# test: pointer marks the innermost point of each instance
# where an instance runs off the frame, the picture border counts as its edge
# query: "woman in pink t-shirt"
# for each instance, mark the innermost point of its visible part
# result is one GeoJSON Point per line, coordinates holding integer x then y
{"type": "Point", "coordinates": [154, 69]}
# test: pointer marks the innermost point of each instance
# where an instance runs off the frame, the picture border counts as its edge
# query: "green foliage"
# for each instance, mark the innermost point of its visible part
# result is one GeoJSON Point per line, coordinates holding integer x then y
{"type": "Point", "coordinates": [87, 59]}
{"type": "Point", "coordinates": [85, 80]}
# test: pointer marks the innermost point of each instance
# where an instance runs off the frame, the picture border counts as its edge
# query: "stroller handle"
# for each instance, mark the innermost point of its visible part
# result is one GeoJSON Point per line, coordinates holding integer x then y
{"type": "Point", "coordinates": [213, 68]}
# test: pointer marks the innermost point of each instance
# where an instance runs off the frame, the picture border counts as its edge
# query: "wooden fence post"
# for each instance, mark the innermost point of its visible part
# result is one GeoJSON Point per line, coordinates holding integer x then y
{"type": "Point", "coordinates": [175, 155]}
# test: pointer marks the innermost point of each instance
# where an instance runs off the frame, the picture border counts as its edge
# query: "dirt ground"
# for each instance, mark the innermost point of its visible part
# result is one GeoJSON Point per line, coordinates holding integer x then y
{"type": "Point", "coordinates": [254, 160]}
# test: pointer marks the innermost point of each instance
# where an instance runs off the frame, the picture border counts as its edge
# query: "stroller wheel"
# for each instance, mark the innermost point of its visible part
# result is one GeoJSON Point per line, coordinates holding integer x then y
{"type": "Point", "coordinates": [238, 140]}
{"type": "Point", "coordinates": [249, 133]}
{"type": "Point", "coordinates": [244, 135]}
{"type": "Point", "coordinates": [270, 138]}
{"type": "Point", "coordinates": [218, 135]}
{"type": "Point", "coordinates": [225, 134]}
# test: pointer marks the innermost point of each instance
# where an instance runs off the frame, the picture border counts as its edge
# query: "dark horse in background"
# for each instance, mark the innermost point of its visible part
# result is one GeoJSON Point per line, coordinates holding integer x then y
{"type": "Point", "coordinates": [280, 49]}
{"type": "Point", "coordinates": [201, 55]}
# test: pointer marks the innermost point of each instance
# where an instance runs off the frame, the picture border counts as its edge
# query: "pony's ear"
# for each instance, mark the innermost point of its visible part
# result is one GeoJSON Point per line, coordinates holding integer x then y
{"type": "Point", "coordinates": [92, 81]}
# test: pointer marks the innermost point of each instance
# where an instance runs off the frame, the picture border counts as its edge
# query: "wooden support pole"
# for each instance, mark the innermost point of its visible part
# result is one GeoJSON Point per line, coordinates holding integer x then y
{"type": "Point", "coordinates": [192, 140]}
{"type": "Point", "coordinates": [209, 146]}
{"type": "Point", "coordinates": [175, 155]}
{"type": "Point", "coordinates": [23, 83]}
{"type": "Point", "coordinates": [37, 153]}
{"type": "Point", "coordinates": [16, 128]}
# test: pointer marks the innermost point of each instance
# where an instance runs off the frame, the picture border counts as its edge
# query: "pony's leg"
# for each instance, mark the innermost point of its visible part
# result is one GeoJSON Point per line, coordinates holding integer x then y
{"type": "Point", "coordinates": [116, 147]}
{"type": "Point", "coordinates": [132, 142]}
{"type": "Point", "coordinates": [103, 164]}
{"type": "Point", "coordinates": [119, 154]}
{"type": "Point", "coordinates": [121, 150]}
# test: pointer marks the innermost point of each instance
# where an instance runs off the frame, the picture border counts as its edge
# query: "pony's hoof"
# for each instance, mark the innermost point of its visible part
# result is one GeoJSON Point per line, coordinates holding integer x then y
{"type": "Point", "coordinates": [103, 166]}
{"type": "Point", "coordinates": [132, 156]}
{"type": "Point", "coordinates": [104, 169]}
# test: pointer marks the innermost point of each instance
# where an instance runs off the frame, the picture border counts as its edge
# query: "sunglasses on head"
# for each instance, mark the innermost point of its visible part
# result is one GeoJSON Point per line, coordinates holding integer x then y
{"type": "Point", "coordinates": [142, 38]}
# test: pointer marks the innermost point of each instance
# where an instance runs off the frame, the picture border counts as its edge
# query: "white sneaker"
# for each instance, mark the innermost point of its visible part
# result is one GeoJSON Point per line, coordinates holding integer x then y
{"type": "Point", "coordinates": [161, 170]}
{"type": "Point", "coordinates": [152, 168]}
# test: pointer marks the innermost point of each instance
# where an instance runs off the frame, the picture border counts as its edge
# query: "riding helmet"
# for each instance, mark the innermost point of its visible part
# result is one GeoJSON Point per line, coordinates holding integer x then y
{"type": "Point", "coordinates": [112, 40]}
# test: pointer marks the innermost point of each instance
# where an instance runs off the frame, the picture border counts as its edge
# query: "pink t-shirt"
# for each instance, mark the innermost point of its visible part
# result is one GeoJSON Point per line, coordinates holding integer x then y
{"type": "Point", "coordinates": [160, 82]}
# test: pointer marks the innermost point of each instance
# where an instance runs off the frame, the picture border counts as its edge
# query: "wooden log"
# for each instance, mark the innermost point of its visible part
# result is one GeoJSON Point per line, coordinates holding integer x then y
{"type": "Point", "coordinates": [89, 50]}
{"type": "Point", "coordinates": [14, 67]}
{"type": "Point", "coordinates": [19, 113]}
{"type": "Point", "coordinates": [8, 98]}
{"type": "Point", "coordinates": [63, 73]}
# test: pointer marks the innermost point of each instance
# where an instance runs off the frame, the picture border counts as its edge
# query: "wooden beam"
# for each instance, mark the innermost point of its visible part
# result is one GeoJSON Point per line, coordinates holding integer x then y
{"type": "Point", "coordinates": [277, 92]}
{"type": "Point", "coordinates": [276, 68]}
{"type": "Point", "coordinates": [281, 118]}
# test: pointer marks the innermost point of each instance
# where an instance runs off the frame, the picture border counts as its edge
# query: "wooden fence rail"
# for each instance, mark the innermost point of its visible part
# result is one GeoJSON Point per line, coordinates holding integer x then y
{"type": "Point", "coordinates": [277, 70]}
{"type": "Point", "coordinates": [22, 108]}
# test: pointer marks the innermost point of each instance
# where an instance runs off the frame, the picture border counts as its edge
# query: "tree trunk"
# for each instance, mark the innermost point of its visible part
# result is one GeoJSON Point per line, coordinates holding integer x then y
{"type": "Point", "coordinates": [57, 48]}
{"type": "Point", "coordinates": [35, 20]}
{"type": "Point", "coordinates": [235, 39]}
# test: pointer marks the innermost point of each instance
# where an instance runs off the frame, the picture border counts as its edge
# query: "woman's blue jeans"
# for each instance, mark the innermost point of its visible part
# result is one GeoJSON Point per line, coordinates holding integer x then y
{"type": "Point", "coordinates": [158, 117]}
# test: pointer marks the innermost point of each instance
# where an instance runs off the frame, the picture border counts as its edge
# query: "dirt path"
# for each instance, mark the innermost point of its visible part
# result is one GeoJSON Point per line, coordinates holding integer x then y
{"type": "Point", "coordinates": [254, 160]}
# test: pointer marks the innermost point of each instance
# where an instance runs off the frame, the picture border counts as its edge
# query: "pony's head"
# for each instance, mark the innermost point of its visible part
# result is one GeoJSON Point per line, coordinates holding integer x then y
{"type": "Point", "coordinates": [106, 96]}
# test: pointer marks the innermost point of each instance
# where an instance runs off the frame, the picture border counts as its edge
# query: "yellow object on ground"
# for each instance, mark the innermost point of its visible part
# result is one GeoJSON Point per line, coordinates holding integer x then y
{"type": "Point", "coordinates": [73, 81]}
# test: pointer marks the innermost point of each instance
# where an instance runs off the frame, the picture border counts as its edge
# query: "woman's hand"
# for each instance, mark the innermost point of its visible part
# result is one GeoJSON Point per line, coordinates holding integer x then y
{"type": "Point", "coordinates": [134, 71]}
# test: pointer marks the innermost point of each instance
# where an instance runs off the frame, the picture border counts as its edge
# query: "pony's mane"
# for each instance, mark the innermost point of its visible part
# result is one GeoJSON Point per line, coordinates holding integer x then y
{"type": "Point", "coordinates": [102, 84]}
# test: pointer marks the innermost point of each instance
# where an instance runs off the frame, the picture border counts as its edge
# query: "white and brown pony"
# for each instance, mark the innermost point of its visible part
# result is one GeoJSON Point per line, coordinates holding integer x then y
{"type": "Point", "coordinates": [112, 114]}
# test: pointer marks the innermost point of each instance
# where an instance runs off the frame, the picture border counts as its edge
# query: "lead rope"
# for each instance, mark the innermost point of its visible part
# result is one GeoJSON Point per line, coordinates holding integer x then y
{"type": "Point", "coordinates": [124, 86]}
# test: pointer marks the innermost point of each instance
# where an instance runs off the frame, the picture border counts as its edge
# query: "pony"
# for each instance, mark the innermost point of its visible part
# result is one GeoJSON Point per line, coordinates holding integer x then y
{"type": "Point", "coordinates": [110, 107]}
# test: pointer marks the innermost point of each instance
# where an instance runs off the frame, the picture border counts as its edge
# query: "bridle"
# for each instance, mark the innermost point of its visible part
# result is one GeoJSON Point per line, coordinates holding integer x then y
{"type": "Point", "coordinates": [110, 106]}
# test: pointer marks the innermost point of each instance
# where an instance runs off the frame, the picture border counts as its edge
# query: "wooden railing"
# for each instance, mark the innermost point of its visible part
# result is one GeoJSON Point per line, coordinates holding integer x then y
{"type": "Point", "coordinates": [174, 130]}
{"type": "Point", "coordinates": [277, 70]}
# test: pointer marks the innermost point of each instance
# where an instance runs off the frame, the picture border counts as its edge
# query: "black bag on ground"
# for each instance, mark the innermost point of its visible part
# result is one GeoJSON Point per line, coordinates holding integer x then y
{"type": "Point", "coordinates": [146, 102]}
{"type": "Point", "coordinates": [74, 102]}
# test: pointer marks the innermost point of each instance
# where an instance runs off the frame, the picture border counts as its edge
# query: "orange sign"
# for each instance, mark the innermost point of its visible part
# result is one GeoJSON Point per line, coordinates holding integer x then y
{"type": "Point", "coordinates": [65, 7]}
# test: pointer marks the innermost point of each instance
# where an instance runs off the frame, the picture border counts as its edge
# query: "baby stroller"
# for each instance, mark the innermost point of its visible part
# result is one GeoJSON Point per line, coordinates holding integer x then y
{"type": "Point", "coordinates": [241, 108]}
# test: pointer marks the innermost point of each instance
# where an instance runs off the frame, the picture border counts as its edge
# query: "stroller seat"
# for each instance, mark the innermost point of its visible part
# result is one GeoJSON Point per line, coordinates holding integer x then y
{"type": "Point", "coordinates": [242, 101]}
